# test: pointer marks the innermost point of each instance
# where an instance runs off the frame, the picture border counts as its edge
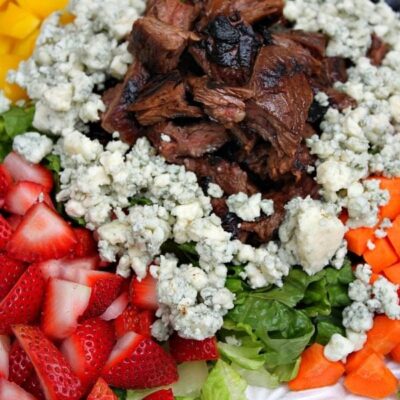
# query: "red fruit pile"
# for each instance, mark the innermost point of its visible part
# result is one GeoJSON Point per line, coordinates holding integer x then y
{"type": "Point", "coordinates": [69, 328]}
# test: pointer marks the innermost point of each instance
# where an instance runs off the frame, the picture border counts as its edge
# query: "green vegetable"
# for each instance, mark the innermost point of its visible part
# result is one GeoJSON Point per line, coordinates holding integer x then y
{"type": "Point", "coordinates": [140, 201]}
{"type": "Point", "coordinates": [260, 377]}
{"type": "Point", "coordinates": [185, 252]}
{"type": "Point", "coordinates": [224, 383]}
{"type": "Point", "coordinates": [121, 393]}
{"type": "Point", "coordinates": [192, 376]}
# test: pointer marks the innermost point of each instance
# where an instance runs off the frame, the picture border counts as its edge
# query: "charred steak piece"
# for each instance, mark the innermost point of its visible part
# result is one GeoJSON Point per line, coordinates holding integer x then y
{"type": "Point", "coordinates": [158, 45]}
{"type": "Point", "coordinates": [119, 98]}
{"type": "Point", "coordinates": [223, 104]}
{"type": "Point", "coordinates": [335, 69]}
{"type": "Point", "coordinates": [378, 50]}
{"type": "Point", "coordinates": [163, 98]}
{"type": "Point", "coordinates": [173, 12]}
{"type": "Point", "coordinates": [229, 176]}
{"type": "Point", "coordinates": [175, 142]}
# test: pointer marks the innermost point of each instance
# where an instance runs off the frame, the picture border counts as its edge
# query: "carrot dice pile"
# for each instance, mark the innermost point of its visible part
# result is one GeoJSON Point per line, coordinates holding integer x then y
{"type": "Point", "coordinates": [20, 22]}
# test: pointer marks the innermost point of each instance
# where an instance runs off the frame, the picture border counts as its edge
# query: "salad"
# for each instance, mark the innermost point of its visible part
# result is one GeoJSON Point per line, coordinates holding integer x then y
{"type": "Point", "coordinates": [199, 200]}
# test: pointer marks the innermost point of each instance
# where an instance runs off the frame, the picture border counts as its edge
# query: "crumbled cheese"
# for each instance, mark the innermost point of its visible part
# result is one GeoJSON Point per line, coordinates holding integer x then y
{"type": "Point", "coordinates": [371, 245]}
{"type": "Point", "coordinates": [72, 61]}
{"type": "Point", "coordinates": [358, 317]}
{"type": "Point", "coordinates": [165, 138]}
{"type": "Point", "coordinates": [386, 293]}
{"type": "Point", "coordinates": [215, 190]}
{"type": "Point", "coordinates": [248, 208]}
{"type": "Point", "coordinates": [311, 234]}
{"type": "Point", "coordinates": [338, 348]}
{"type": "Point", "coordinates": [5, 103]}
{"type": "Point", "coordinates": [358, 339]}
{"type": "Point", "coordinates": [32, 146]}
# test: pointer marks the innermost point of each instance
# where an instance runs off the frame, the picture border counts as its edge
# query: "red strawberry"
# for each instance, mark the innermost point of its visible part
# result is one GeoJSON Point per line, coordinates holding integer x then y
{"type": "Point", "coordinates": [55, 375]}
{"type": "Point", "coordinates": [21, 196]}
{"type": "Point", "coordinates": [5, 181]}
{"type": "Point", "coordinates": [42, 235]}
{"type": "Point", "coordinates": [64, 303]}
{"type": "Point", "coordinates": [22, 170]}
{"type": "Point", "coordinates": [10, 271]}
{"type": "Point", "coordinates": [14, 221]}
{"type": "Point", "coordinates": [144, 293]}
{"type": "Point", "coordinates": [6, 232]}
{"type": "Point", "coordinates": [23, 302]}
{"type": "Point", "coordinates": [85, 244]}
{"type": "Point", "coordinates": [116, 308]}
{"type": "Point", "coordinates": [165, 394]}
{"type": "Point", "coordinates": [11, 391]}
{"type": "Point", "coordinates": [133, 319]}
{"type": "Point", "coordinates": [137, 362]}
{"type": "Point", "coordinates": [4, 356]}
{"type": "Point", "coordinates": [88, 349]}
{"type": "Point", "coordinates": [34, 387]}
{"type": "Point", "coordinates": [101, 391]}
{"type": "Point", "coordinates": [193, 350]}
{"type": "Point", "coordinates": [21, 367]}
{"type": "Point", "coordinates": [56, 268]}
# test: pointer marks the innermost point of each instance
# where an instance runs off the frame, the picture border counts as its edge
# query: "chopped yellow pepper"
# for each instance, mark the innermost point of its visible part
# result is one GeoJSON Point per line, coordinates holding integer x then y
{"type": "Point", "coordinates": [66, 18]}
{"type": "Point", "coordinates": [24, 48]}
{"type": "Point", "coordinates": [3, 3]}
{"type": "Point", "coordinates": [5, 45]}
{"type": "Point", "coordinates": [17, 22]}
{"type": "Point", "coordinates": [43, 8]}
{"type": "Point", "coordinates": [13, 92]}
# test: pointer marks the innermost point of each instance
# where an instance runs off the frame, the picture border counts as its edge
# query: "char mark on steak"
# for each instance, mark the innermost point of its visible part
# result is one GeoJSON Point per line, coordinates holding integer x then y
{"type": "Point", "coordinates": [193, 140]}
{"type": "Point", "coordinates": [118, 99]}
{"type": "Point", "coordinates": [164, 97]}
{"type": "Point", "coordinates": [378, 50]}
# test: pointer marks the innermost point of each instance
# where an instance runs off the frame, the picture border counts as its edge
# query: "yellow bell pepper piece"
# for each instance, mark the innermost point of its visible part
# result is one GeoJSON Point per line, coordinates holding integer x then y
{"type": "Point", "coordinates": [3, 3]}
{"type": "Point", "coordinates": [24, 48]}
{"type": "Point", "coordinates": [66, 18]}
{"type": "Point", "coordinates": [13, 92]}
{"type": "Point", "coordinates": [5, 45]}
{"type": "Point", "coordinates": [43, 8]}
{"type": "Point", "coordinates": [17, 22]}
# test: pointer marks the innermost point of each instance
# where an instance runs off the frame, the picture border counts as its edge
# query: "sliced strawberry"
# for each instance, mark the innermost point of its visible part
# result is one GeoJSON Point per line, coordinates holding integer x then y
{"type": "Point", "coordinates": [137, 362]}
{"type": "Point", "coordinates": [34, 387]}
{"type": "Point", "coordinates": [42, 235]}
{"type": "Point", "coordinates": [6, 232]}
{"type": "Point", "coordinates": [23, 195]}
{"type": "Point", "coordinates": [4, 356]}
{"type": "Point", "coordinates": [116, 308]}
{"type": "Point", "coordinates": [14, 221]}
{"type": "Point", "coordinates": [56, 268]}
{"type": "Point", "coordinates": [144, 293]}
{"type": "Point", "coordinates": [85, 246]}
{"type": "Point", "coordinates": [22, 170]}
{"type": "Point", "coordinates": [136, 320]}
{"type": "Point", "coordinates": [11, 391]}
{"type": "Point", "coordinates": [101, 391]}
{"type": "Point", "coordinates": [21, 367]}
{"type": "Point", "coordinates": [183, 350]}
{"type": "Point", "coordinates": [5, 181]}
{"type": "Point", "coordinates": [64, 303]}
{"type": "Point", "coordinates": [23, 302]}
{"type": "Point", "coordinates": [88, 349]}
{"type": "Point", "coordinates": [10, 271]}
{"type": "Point", "coordinates": [165, 394]}
{"type": "Point", "coordinates": [55, 374]}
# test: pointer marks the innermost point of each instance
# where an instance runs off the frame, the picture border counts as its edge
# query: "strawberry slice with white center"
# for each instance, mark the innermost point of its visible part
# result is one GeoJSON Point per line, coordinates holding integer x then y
{"type": "Point", "coordinates": [88, 349]}
{"type": "Point", "coordinates": [5, 181]}
{"type": "Point", "coordinates": [11, 391]}
{"type": "Point", "coordinates": [23, 302]}
{"type": "Point", "coordinates": [4, 356]}
{"type": "Point", "coordinates": [64, 303]}
{"type": "Point", "coordinates": [144, 293]}
{"type": "Point", "coordinates": [14, 221]}
{"type": "Point", "coordinates": [6, 232]}
{"type": "Point", "coordinates": [101, 391]}
{"type": "Point", "coordinates": [23, 195]}
{"type": "Point", "coordinates": [42, 235]}
{"type": "Point", "coordinates": [21, 367]}
{"type": "Point", "coordinates": [10, 271]}
{"type": "Point", "coordinates": [55, 374]}
{"type": "Point", "coordinates": [116, 308]}
{"type": "Point", "coordinates": [22, 170]}
{"type": "Point", "coordinates": [183, 350]}
{"type": "Point", "coordinates": [165, 394]}
{"type": "Point", "coordinates": [56, 268]}
{"type": "Point", "coordinates": [137, 362]}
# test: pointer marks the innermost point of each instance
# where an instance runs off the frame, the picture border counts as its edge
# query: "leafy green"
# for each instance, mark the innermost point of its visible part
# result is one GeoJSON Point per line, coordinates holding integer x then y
{"type": "Point", "coordinates": [260, 377]}
{"type": "Point", "coordinates": [185, 252]}
{"type": "Point", "coordinates": [139, 394]}
{"type": "Point", "coordinates": [224, 383]}
{"type": "Point", "coordinates": [140, 201]}
{"type": "Point", "coordinates": [121, 393]}
{"type": "Point", "coordinates": [247, 355]}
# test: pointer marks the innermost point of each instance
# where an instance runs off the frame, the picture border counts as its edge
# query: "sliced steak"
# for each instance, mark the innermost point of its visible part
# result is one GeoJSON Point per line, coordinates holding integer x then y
{"type": "Point", "coordinates": [340, 100]}
{"type": "Point", "coordinates": [335, 69]}
{"type": "Point", "coordinates": [223, 104]}
{"type": "Point", "coordinates": [378, 50]}
{"type": "Point", "coordinates": [193, 140]}
{"type": "Point", "coordinates": [163, 98]}
{"type": "Point", "coordinates": [118, 99]}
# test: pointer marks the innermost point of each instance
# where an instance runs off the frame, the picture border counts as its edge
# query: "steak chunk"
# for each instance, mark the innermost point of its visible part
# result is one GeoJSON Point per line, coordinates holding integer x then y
{"type": "Point", "coordinates": [163, 98]}
{"type": "Point", "coordinates": [335, 69]}
{"type": "Point", "coordinates": [229, 176]}
{"type": "Point", "coordinates": [118, 99]}
{"type": "Point", "coordinates": [173, 12]}
{"type": "Point", "coordinates": [193, 140]}
{"type": "Point", "coordinates": [378, 50]}
{"type": "Point", "coordinates": [158, 45]}
{"type": "Point", "coordinates": [223, 104]}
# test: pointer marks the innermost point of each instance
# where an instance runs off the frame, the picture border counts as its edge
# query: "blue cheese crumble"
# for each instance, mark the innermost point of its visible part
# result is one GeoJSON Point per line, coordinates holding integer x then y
{"type": "Point", "coordinates": [249, 208]}
{"type": "Point", "coordinates": [32, 146]}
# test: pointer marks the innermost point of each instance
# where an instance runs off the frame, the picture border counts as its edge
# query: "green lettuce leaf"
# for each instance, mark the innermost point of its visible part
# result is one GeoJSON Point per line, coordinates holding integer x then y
{"type": "Point", "coordinates": [260, 377]}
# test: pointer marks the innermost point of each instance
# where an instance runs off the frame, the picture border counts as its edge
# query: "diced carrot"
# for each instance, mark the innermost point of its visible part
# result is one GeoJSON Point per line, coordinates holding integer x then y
{"type": "Point", "coordinates": [395, 354]}
{"type": "Point", "coordinates": [392, 209]}
{"type": "Point", "coordinates": [357, 239]}
{"type": "Point", "coordinates": [393, 273]}
{"type": "Point", "coordinates": [382, 256]}
{"type": "Point", "coordinates": [315, 370]}
{"type": "Point", "coordinates": [374, 277]}
{"type": "Point", "coordinates": [355, 360]}
{"type": "Point", "coordinates": [394, 235]}
{"type": "Point", "coordinates": [384, 335]}
{"type": "Point", "coordinates": [372, 379]}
